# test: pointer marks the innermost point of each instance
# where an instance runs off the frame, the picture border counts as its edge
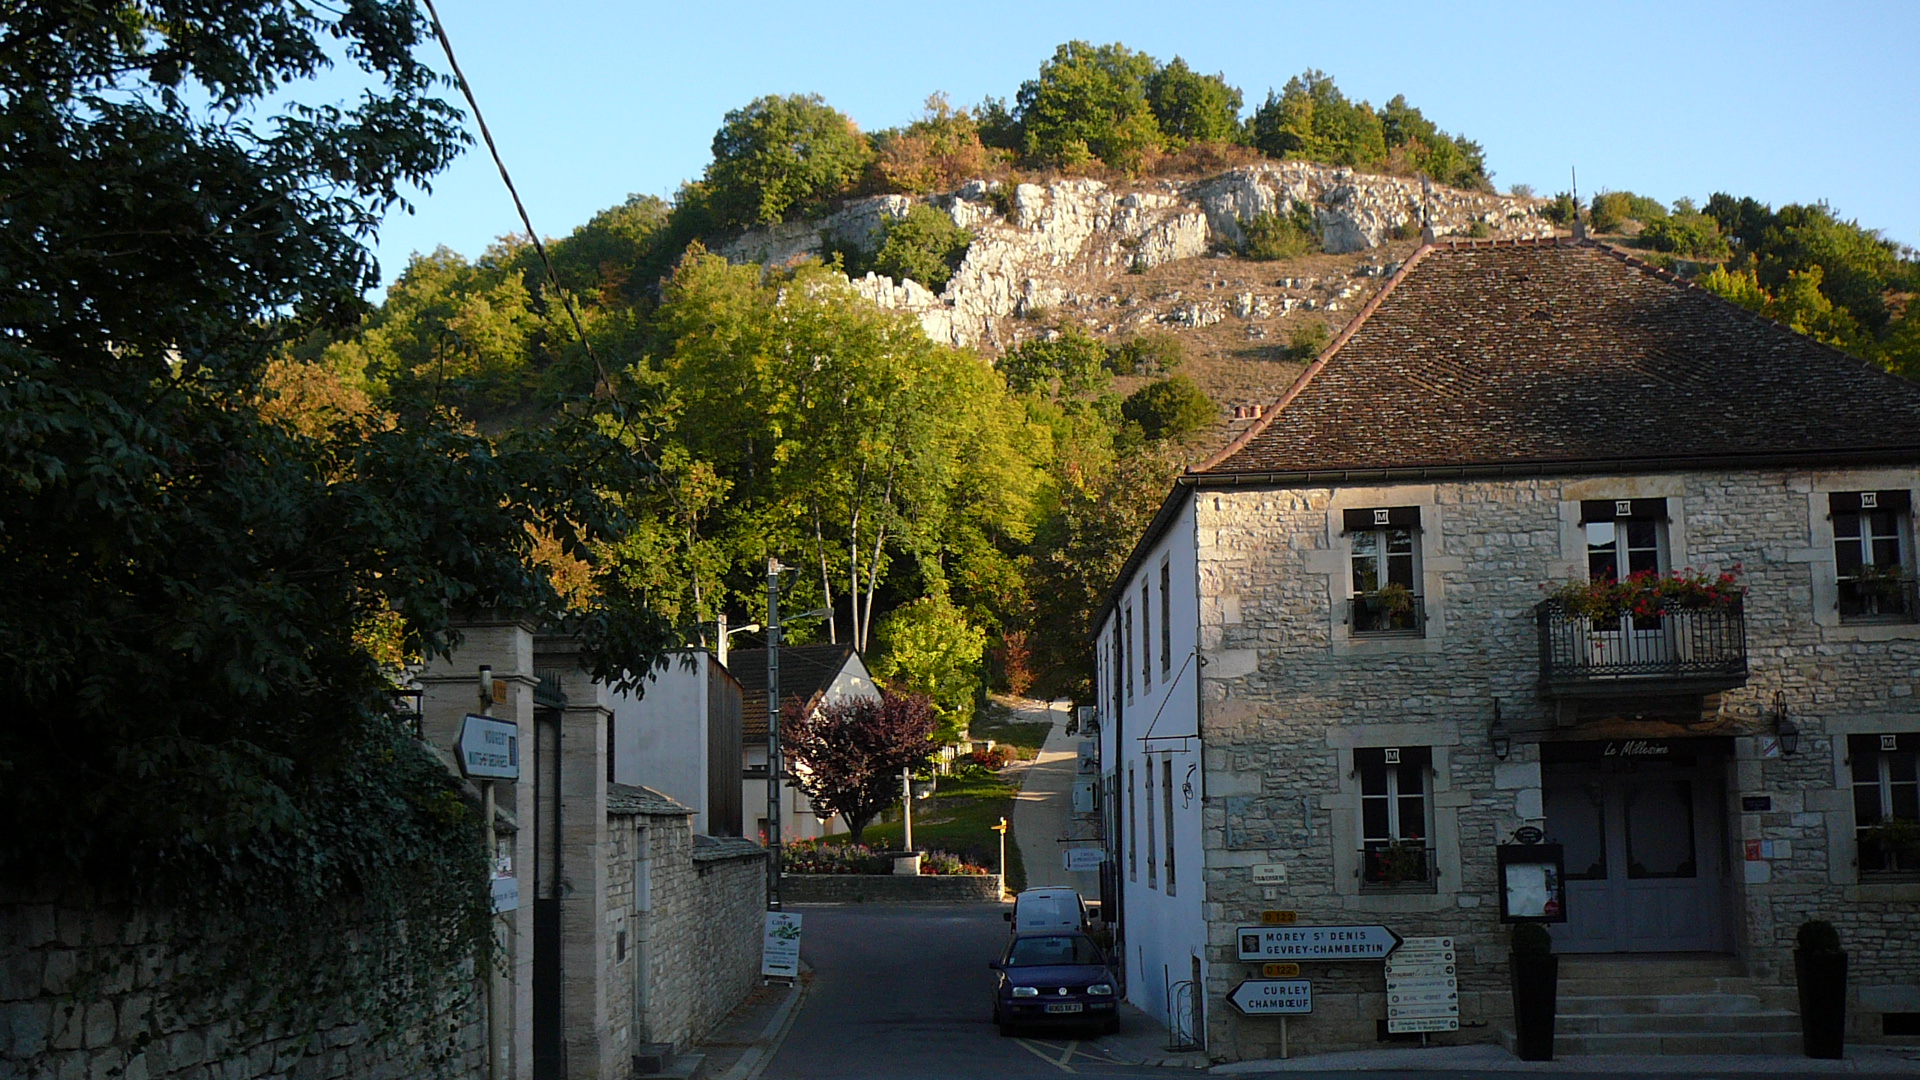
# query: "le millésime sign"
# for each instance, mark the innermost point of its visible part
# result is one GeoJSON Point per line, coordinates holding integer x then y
{"type": "Point", "coordinates": [780, 945]}
{"type": "Point", "coordinates": [1316, 942]}
{"type": "Point", "coordinates": [489, 748]}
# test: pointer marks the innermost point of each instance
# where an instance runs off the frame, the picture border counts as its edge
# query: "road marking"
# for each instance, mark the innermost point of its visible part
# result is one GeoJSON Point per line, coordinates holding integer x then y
{"type": "Point", "coordinates": [1061, 1064]}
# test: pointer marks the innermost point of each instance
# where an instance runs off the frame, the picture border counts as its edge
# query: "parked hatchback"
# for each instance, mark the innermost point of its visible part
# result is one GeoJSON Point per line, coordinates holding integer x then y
{"type": "Point", "coordinates": [1058, 979]}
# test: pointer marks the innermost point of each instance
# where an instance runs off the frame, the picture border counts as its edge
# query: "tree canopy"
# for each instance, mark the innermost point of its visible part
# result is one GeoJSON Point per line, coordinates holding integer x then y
{"type": "Point", "coordinates": [781, 156]}
{"type": "Point", "coordinates": [849, 754]}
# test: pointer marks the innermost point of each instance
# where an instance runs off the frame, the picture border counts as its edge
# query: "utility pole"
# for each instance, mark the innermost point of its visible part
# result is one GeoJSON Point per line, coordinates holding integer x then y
{"type": "Point", "coordinates": [773, 733]}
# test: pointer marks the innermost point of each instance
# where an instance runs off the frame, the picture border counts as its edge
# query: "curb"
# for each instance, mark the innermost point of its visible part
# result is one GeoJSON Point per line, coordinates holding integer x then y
{"type": "Point", "coordinates": [760, 1055]}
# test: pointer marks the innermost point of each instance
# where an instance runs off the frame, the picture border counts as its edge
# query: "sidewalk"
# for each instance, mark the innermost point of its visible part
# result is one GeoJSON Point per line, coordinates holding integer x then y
{"type": "Point", "coordinates": [1043, 810]}
{"type": "Point", "coordinates": [1862, 1060]}
{"type": "Point", "coordinates": [742, 1045]}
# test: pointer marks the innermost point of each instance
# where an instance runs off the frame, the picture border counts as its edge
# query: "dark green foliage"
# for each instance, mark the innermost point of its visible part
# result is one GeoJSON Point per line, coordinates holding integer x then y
{"type": "Point", "coordinates": [925, 246]}
{"type": "Point", "coordinates": [1561, 209]}
{"type": "Point", "coordinates": [1687, 233]}
{"type": "Point", "coordinates": [1608, 211]}
{"type": "Point", "coordinates": [1531, 939]}
{"type": "Point", "coordinates": [197, 719]}
{"type": "Point", "coordinates": [1273, 236]}
{"type": "Point", "coordinates": [1309, 340]}
{"type": "Point", "coordinates": [999, 128]}
{"type": "Point", "coordinates": [1089, 103]}
{"type": "Point", "coordinates": [1312, 120]}
{"type": "Point", "coordinates": [1421, 147]}
{"type": "Point", "coordinates": [1817, 935]}
{"type": "Point", "coordinates": [1156, 353]}
{"type": "Point", "coordinates": [1479, 230]}
{"type": "Point", "coordinates": [782, 157]}
{"type": "Point", "coordinates": [1191, 107]}
{"type": "Point", "coordinates": [1169, 409]}
{"type": "Point", "coordinates": [1071, 364]}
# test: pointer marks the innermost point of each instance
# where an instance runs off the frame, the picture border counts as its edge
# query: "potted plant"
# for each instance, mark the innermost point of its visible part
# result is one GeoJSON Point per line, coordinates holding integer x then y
{"type": "Point", "coordinates": [1398, 862]}
{"type": "Point", "coordinates": [1536, 982]}
{"type": "Point", "coordinates": [1892, 844]}
{"type": "Point", "coordinates": [1646, 594]}
{"type": "Point", "coordinates": [1820, 968]}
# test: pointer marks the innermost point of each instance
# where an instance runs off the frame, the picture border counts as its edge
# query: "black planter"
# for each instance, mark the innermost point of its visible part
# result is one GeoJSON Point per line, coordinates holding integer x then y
{"type": "Point", "coordinates": [1823, 1001]}
{"type": "Point", "coordinates": [1536, 984]}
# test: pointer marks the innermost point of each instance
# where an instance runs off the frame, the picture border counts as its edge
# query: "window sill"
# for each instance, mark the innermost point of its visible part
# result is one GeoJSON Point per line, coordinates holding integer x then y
{"type": "Point", "coordinates": [1399, 888]}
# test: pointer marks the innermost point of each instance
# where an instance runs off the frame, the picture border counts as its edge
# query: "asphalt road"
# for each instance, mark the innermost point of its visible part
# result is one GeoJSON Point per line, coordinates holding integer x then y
{"type": "Point", "coordinates": [903, 991]}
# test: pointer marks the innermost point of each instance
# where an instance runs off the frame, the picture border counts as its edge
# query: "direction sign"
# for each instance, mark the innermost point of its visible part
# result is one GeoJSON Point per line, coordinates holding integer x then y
{"type": "Point", "coordinates": [1316, 942]}
{"type": "Point", "coordinates": [1422, 991]}
{"type": "Point", "coordinates": [1273, 997]}
{"type": "Point", "coordinates": [489, 748]}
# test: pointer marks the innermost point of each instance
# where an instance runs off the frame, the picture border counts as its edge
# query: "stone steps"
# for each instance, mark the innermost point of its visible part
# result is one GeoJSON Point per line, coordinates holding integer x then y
{"type": "Point", "coordinates": [1686, 1005]}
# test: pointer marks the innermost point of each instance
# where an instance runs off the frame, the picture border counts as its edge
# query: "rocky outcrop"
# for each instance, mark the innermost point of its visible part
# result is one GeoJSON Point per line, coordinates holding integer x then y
{"type": "Point", "coordinates": [1033, 246]}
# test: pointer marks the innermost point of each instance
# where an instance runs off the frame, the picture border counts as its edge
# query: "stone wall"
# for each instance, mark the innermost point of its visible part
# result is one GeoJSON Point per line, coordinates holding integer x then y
{"type": "Point", "coordinates": [890, 889]}
{"type": "Point", "coordinates": [684, 919]}
{"type": "Point", "coordinates": [1287, 694]}
{"type": "Point", "coordinates": [1059, 233]}
{"type": "Point", "coordinates": [84, 986]}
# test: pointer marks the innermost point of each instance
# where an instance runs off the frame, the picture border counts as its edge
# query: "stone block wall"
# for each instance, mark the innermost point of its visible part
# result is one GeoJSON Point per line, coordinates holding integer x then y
{"type": "Point", "coordinates": [684, 920]}
{"type": "Point", "coordinates": [84, 985]}
{"type": "Point", "coordinates": [1287, 694]}
{"type": "Point", "coordinates": [890, 889]}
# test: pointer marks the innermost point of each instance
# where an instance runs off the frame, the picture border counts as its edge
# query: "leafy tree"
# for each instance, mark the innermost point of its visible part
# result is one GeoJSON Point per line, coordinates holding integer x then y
{"type": "Point", "coordinates": [935, 153]}
{"type": "Point", "coordinates": [1609, 211]}
{"type": "Point", "coordinates": [848, 755]}
{"type": "Point", "coordinates": [1312, 120]}
{"type": "Point", "coordinates": [1089, 103]}
{"type": "Point", "coordinates": [782, 157]}
{"type": "Point", "coordinates": [1416, 145]}
{"type": "Point", "coordinates": [928, 647]}
{"type": "Point", "coordinates": [1562, 209]}
{"type": "Point", "coordinates": [1191, 107]}
{"type": "Point", "coordinates": [925, 246]}
{"type": "Point", "coordinates": [1686, 233]}
{"type": "Point", "coordinates": [197, 567]}
{"type": "Point", "coordinates": [1169, 409]}
{"type": "Point", "coordinates": [1071, 363]}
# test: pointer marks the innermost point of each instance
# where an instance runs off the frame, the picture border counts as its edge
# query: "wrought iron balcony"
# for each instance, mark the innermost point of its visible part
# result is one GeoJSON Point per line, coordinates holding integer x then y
{"type": "Point", "coordinates": [1884, 599]}
{"type": "Point", "coordinates": [1675, 648]}
{"type": "Point", "coordinates": [1370, 616]}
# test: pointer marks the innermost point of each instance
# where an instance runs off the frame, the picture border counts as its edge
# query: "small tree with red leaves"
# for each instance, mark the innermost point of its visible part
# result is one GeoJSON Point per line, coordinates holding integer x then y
{"type": "Point", "coordinates": [848, 755]}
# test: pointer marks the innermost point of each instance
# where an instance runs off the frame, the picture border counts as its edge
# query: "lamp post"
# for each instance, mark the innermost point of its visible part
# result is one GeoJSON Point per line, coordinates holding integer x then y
{"type": "Point", "coordinates": [726, 635]}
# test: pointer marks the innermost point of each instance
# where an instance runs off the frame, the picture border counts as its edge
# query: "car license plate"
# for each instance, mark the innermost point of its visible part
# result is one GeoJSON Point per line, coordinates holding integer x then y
{"type": "Point", "coordinates": [1070, 1007]}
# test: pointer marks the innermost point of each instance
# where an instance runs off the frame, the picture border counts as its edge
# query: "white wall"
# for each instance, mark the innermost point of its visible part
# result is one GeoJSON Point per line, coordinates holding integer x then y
{"type": "Point", "coordinates": [660, 739]}
{"type": "Point", "coordinates": [1162, 933]}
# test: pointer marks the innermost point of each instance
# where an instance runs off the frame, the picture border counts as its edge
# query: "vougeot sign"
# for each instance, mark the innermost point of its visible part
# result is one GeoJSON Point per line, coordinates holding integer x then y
{"type": "Point", "coordinates": [780, 945]}
{"type": "Point", "coordinates": [489, 748]}
{"type": "Point", "coordinates": [1273, 997]}
{"type": "Point", "coordinates": [1316, 942]}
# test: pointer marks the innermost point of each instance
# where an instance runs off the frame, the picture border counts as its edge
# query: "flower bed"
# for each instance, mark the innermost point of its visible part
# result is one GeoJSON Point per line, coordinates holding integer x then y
{"type": "Point", "coordinates": [814, 857]}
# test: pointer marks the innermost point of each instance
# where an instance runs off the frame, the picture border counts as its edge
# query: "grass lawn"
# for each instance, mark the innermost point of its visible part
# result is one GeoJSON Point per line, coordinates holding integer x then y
{"type": "Point", "coordinates": [997, 722]}
{"type": "Point", "coordinates": [959, 819]}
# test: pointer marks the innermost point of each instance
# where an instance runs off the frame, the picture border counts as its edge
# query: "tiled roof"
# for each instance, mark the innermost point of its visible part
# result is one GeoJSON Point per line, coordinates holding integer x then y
{"type": "Point", "coordinates": [805, 672]}
{"type": "Point", "coordinates": [1563, 353]}
{"type": "Point", "coordinates": [634, 799]}
{"type": "Point", "coordinates": [713, 848]}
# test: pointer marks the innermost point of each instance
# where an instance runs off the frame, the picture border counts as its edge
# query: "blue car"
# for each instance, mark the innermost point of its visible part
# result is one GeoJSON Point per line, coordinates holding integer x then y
{"type": "Point", "coordinates": [1057, 979]}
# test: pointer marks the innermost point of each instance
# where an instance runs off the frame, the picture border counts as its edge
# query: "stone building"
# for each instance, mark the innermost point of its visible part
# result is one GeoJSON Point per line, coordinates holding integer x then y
{"type": "Point", "coordinates": [1357, 651]}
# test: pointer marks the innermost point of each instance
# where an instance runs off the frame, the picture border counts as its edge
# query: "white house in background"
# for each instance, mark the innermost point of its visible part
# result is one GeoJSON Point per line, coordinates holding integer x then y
{"type": "Point", "coordinates": [1151, 884]}
{"type": "Point", "coordinates": [816, 675]}
{"type": "Point", "coordinates": [682, 738]}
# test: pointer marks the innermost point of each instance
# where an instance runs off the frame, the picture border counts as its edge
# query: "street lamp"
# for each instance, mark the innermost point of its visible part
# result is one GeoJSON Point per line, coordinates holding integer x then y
{"type": "Point", "coordinates": [726, 635]}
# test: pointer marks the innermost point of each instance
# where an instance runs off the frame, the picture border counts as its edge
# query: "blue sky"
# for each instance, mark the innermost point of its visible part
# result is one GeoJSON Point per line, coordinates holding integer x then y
{"type": "Point", "coordinates": [1787, 103]}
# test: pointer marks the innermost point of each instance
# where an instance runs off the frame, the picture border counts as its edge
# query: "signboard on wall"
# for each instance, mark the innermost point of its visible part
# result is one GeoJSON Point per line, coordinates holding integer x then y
{"type": "Point", "coordinates": [1423, 990]}
{"type": "Point", "coordinates": [1316, 942]}
{"type": "Point", "coordinates": [1273, 997]}
{"type": "Point", "coordinates": [489, 748]}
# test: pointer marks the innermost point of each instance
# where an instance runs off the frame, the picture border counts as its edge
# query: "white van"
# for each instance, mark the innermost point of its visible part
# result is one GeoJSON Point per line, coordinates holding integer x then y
{"type": "Point", "coordinates": [1038, 911]}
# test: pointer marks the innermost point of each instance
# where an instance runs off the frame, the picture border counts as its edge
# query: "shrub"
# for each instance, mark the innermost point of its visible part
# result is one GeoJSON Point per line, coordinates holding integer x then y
{"type": "Point", "coordinates": [1531, 939]}
{"type": "Point", "coordinates": [1562, 209]}
{"type": "Point", "coordinates": [925, 245]}
{"type": "Point", "coordinates": [946, 863]}
{"type": "Point", "coordinates": [1155, 353]}
{"type": "Point", "coordinates": [1694, 234]}
{"type": "Point", "coordinates": [1308, 341]}
{"type": "Point", "coordinates": [995, 758]}
{"type": "Point", "coordinates": [1817, 935]}
{"type": "Point", "coordinates": [1479, 230]}
{"type": "Point", "coordinates": [1072, 364]}
{"type": "Point", "coordinates": [782, 157]}
{"type": "Point", "coordinates": [1612, 209]}
{"type": "Point", "coordinates": [935, 153]}
{"type": "Point", "coordinates": [814, 857]}
{"type": "Point", "coordinates": [1169, 409]}
{"type": "Point", "coordinates": [1272, 236]}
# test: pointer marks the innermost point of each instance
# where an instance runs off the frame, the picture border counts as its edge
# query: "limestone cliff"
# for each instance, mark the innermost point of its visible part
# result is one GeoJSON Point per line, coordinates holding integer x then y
{"type": "Point", "coordinates": [1059, 246]}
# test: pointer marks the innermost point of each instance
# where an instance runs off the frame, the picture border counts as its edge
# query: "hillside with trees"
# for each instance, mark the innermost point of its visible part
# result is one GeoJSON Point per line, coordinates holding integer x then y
{"type": "Point", "coordinates": [932, 500]}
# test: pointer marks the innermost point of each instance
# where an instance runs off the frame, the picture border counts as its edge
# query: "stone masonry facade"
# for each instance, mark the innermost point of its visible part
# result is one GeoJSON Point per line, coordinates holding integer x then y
{"type": "Point", "coordinates": [1287, 694]}
{"type": "Point", "coordinates": [84, 985]}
